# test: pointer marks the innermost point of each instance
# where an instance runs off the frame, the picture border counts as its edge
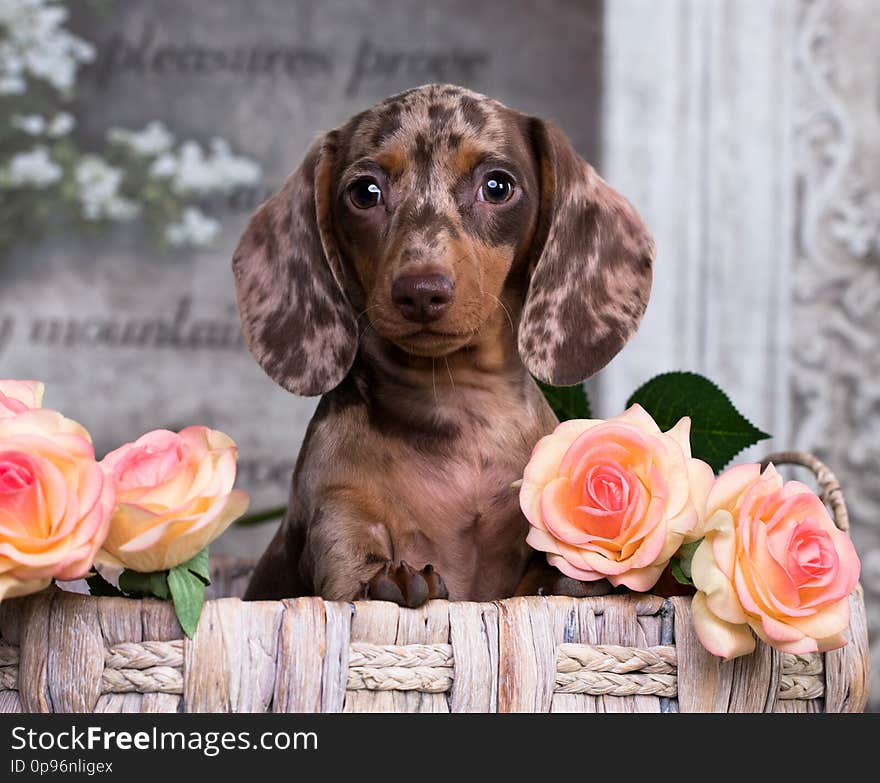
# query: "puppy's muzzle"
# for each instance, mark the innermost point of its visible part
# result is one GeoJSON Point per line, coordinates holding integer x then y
{"type": "Point", "coordinates": [422, 298]}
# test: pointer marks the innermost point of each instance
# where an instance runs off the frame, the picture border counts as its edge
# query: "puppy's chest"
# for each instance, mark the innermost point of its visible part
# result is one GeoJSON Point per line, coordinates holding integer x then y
{"type": "Point", "coordinates": [466, 489]}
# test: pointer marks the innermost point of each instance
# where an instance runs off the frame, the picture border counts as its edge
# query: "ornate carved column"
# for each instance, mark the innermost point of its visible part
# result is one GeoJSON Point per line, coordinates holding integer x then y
{"type": "Point", "coordinates": [835, 347]}
{"type": "Point", "coordinates": [748, 134]}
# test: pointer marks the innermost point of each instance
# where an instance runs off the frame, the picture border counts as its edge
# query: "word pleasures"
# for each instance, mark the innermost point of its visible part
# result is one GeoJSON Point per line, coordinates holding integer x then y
{"type": "Point", "coordinates": [369, 63]}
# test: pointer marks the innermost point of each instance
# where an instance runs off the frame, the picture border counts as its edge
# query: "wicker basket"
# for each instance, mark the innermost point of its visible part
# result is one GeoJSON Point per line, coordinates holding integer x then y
{"type": "Point", "coordinates": [63, 652]}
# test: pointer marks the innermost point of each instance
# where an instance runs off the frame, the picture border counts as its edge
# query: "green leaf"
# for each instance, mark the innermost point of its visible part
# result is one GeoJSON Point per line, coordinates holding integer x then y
{"type": "Point", "coordinates": [188, 594]}
{"type": "Point", "coordinates": [678, 572]}
{"type": "Point", "coordinates": [685, 555]}
{"type": "Point", "coordinates": [154, 583]}
{"type": "Point", "coordinates": [262, 516]}
{"type": "Point", "coordinates": [568, 402]}
{"type": "Point", "coordinates": [101, 587]}
{"type": "Point", "coordinates": [199, 565]}
{"type": "Point", "coordinates": [718, 430]}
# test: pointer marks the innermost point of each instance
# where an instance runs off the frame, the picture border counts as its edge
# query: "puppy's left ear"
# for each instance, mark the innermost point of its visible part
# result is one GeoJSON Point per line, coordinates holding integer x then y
{"type": "Point", "coordinates": [592, 260]}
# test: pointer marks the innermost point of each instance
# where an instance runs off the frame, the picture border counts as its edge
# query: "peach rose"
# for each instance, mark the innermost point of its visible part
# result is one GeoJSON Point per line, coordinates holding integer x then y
{"type": "Point", "coordinates": [772, 560]}
{"type": "Point", "coordinates": [19, 396]}
{"type": "Point", "coordinates": [614, 499]}
{"type": "Point", "coordinates": [55, 503]}
{"type": "Point", "coordinates": [175, 496]}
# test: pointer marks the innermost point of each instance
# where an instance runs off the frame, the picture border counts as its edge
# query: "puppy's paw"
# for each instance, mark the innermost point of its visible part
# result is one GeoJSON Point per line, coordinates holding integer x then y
{"type": "Point", "coordinates": [542, 579]}
{"type": "Point", "coordinates": [574, 588]}
{"type": "Point", "coordinates": [403, 585]}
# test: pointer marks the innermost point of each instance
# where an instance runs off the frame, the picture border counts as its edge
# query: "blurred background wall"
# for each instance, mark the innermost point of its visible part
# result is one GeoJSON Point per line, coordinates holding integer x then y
{"type": "Point", "coordinates": [137, 137]}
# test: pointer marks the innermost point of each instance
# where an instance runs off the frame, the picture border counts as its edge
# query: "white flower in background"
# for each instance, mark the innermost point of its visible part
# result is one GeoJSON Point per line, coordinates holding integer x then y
{"type": "Point", "coordinates": [154, 139]}
{"type": "Point", "coordinates": [194, 228]}
{"type": "Point", "coordinates": [164, 166]}
{"type": "Point", "coordinates": [32, 124]}
{"type": "Point", "coordinates": [36, 125]}
{"type": "Point", "coordinates": [232, 171]}
{"type": "Point", "coordinates": [36, 44]}
{"type": "Point", "coordinates": [61, 125]}
{"type": "Point", "coordinates": [39, 60]}
{"type": "Point", "coordinates": [217, 172]}
{"type": "Point", "coordinates": [98, 186]}
{"type": "Point", "coordinates": [30, 169]}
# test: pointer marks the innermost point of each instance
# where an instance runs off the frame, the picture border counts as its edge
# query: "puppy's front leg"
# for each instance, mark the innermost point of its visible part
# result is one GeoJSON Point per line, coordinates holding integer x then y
{"type": "Point", "coordinates": [351, 556]}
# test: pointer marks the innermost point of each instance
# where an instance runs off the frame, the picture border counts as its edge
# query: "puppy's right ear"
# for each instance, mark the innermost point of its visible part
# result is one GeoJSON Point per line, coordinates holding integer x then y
{"type": "Point", "coordinates": [295, 317]}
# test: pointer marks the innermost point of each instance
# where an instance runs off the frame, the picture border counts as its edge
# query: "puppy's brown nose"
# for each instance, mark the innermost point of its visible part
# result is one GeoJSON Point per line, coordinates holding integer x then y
{"type": "Point", "coordinates": [422, 298]}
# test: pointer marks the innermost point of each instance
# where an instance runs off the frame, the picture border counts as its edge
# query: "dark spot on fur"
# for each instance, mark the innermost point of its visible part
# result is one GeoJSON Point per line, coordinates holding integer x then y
{"type": "Point", "coordinates": [286, 221]}
{"type": "Point", "coordinates": [422, 155]}
{"type": "Point", "coordinates": [387, 124]}
{"type": "Point", "coordinates": [260, 228]}
{"type": "Point", "coordinates": [439, 116]}
{"type": "Point", "coordinates": [472, 113]}
{"type": "Point", "coordinates": [372, 558]}
{"type": "Point", "coordinates": [478, 419]}
{"type": "Point", "coordinates": [428, 222]}
{"type": "Point", "coordinates": [421, 217]}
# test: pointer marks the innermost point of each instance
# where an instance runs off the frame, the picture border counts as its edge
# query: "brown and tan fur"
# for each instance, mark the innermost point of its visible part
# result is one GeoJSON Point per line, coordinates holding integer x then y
{"type": "Point", "coordinates": [422, 428]}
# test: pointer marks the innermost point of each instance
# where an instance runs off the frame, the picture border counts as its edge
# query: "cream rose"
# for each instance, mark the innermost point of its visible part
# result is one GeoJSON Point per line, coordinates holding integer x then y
{"type": "Point", "coordinates": [175, 495]}
{"type": "Point", "coordinates": [55, 503]}
{"type": "Point", "coordinates": [19, 396]}
{"type": "Point", "coordinates": [614, 499]}
{"type": "Point", "coordinates": [774, 562]}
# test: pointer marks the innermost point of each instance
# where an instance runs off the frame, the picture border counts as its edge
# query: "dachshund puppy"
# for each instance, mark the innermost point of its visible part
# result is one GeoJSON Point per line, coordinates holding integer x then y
{"type": "Point", "coordinates": [423, 263]}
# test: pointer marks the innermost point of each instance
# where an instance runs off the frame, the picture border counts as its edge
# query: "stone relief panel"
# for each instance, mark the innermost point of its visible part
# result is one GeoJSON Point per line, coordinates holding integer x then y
{"type": "Point", "coordinates": [835, 365]}
{"type": "Point", "coordinates": [748, 134]}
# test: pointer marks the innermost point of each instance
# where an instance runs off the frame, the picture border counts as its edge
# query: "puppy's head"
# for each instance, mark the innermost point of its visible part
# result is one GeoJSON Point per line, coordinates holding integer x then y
{"type": "Point", "coordinates": [416, 215]}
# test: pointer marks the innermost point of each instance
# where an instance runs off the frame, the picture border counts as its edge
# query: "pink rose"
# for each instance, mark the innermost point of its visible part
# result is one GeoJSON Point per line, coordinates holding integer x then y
{"type": "Point", "coordinates": [54, 501]}
{"type": "Point", "coordinates": [614, 499]}
{"type": "Point", "coordinates": [772, 560]}
{"type": "Point", "coordinates": [19, 396]}
{"type": "Point", "coordinates": [174, 494]}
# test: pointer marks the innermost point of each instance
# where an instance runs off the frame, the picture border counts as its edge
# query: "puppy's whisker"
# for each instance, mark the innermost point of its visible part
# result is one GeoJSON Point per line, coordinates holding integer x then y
{"type": "Point", "coordinates": [449, 370]}
{"type": "Point", "coordinates": [433, 379]}
{"type": "Point", "coordinates": [363, 332]}
{"type": "Point", "coordinates": [506, 311]}
{"type": "Point", "coordinates": [364, 312]}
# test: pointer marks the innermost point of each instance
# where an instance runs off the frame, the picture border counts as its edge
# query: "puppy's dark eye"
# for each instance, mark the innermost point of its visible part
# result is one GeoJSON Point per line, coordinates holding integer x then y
{"type": "Point", "coordinates": [365, 193]}
{"type": "Point", "coordinates": [497, 187]}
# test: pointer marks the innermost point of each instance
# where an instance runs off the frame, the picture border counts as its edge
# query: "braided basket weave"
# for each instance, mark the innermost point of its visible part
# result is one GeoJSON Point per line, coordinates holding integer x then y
{"type": "Point", "coordinates": [63, 652]}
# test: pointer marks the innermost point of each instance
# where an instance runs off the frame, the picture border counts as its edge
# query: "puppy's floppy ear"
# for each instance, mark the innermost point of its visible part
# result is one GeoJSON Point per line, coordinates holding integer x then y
{"type": "Point", "coordinates": [592, 262]}
{"type": "Point", "coordinates": [296, 320]}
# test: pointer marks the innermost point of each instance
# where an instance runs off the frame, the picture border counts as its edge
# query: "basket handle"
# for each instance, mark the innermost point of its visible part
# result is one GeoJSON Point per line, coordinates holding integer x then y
{"type": "Point", "coordinates": [829, 486]}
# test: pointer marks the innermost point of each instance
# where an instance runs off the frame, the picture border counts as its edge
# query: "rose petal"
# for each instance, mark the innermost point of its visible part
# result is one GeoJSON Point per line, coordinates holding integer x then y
{"type": "Point", "coordinates": [726, 640]}
{"type": "Point", "coordinates": [543, 465]}
{"type": "Point", "coordinates": [639, 579]}
{"type": "Point", "coordinates": [28, 393]}
{"type": "Point", "coordinates": [714, 584]}
{"type": "Point", "coordinates": [729, 487]}
{"type": "Point", "coordinates": [702, 480]}
{"type": "Point", "coordinates": [585, 575]}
